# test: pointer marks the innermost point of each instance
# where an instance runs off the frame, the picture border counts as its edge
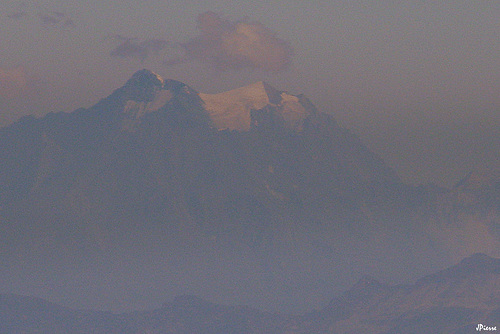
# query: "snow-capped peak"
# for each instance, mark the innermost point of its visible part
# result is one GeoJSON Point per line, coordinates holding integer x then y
{"type": "Point", "coordinates": [233, 109]}
{"type": "Point", "coordinates": [253, 106]}
{"type": "Point", "coordinates": [146, 77]}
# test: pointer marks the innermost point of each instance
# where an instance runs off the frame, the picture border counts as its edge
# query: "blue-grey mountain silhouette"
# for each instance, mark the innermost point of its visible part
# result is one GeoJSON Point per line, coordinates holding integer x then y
{"type": "Point", "coordinates": [251, 196]}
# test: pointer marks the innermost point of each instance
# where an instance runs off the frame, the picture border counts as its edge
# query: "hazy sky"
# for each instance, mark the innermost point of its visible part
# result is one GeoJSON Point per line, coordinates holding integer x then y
{"type": "Point", "coordinates": [419, 81]}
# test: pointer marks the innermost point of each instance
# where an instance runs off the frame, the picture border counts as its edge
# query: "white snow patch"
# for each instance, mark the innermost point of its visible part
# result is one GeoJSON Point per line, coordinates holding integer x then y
{"type": "Point", "coordinates": [159, 78]}
{"type": "Point", "coordinates": [231, 109]}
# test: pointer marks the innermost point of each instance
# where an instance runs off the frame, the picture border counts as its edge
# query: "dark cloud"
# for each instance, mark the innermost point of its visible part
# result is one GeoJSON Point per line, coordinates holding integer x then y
{"type": "Point", "coordinates": [133, 48]}
{"type": "Point", "coordinates": [54, 18]}
{"type": "Point", "coordinates": [18, 15]}
{"type": "Point", "coordinates": [234, 45]}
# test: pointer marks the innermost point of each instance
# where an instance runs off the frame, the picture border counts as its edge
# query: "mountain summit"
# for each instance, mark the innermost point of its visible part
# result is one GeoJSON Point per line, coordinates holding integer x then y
{"type": "Point", "coordinates": [142, 86]}
{"type": "Point", "coordinates": [243, 108]}
{"type": "Point", "coordinates": [159, 190]}
{"type": "Point", "coordinates": [255, 106]}
{"type": "Point", "coordinates": [145, 77]}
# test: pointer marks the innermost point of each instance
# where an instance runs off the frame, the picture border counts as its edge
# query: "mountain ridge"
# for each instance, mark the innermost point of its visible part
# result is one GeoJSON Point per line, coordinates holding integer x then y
{"type": "Point", "coordinates": [145, 191]}
{"type": "Point", "coordinates": [382, 309]}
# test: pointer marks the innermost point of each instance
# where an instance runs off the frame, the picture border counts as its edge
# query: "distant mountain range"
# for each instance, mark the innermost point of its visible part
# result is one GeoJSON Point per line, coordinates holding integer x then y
{"type": "Point", "coordinates": [250, 196]}
{"type": "Point", "coordinates": [455, 300]}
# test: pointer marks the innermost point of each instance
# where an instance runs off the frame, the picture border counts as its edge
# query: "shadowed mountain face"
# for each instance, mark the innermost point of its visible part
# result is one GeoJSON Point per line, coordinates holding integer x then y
{"type": "Point", "coordinates": [250, 196]}
{"type": "Point", "coordinates": [455, 300]}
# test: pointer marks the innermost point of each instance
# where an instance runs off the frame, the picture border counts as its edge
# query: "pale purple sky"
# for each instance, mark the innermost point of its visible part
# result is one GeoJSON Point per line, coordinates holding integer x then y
{"type": "Point", "coordinates": [419, 81]}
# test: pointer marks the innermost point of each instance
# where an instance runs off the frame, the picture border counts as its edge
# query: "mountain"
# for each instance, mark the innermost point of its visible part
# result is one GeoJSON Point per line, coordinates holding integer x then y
{"type": "Point", "coordinates": [257, 104]}
{"type": "Point", "coordinates": [159, 190]}
{"type": "Point", "coordinates": [454, 300]}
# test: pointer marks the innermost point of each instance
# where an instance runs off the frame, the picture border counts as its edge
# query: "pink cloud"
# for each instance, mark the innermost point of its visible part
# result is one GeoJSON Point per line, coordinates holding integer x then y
{"type": "Point", "coordinates": [240, 44]}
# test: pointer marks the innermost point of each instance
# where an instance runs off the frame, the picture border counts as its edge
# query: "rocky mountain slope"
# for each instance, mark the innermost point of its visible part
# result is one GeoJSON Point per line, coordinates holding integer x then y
{"type": "Point", "coordinates": [454, 300]}
{"type": "Point", "coordinates": [159, 190]}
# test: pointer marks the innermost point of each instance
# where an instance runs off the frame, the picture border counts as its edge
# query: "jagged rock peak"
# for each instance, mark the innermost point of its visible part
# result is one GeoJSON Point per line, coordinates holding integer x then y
{"type": "Point", "coordinates": [144, 86]}
{"type": "Point", "coordinates": [141, 87]}
{"type": "Point", "coordinates": [145, 77]}
{"type": "Point", "coordinates": [234, 109]}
